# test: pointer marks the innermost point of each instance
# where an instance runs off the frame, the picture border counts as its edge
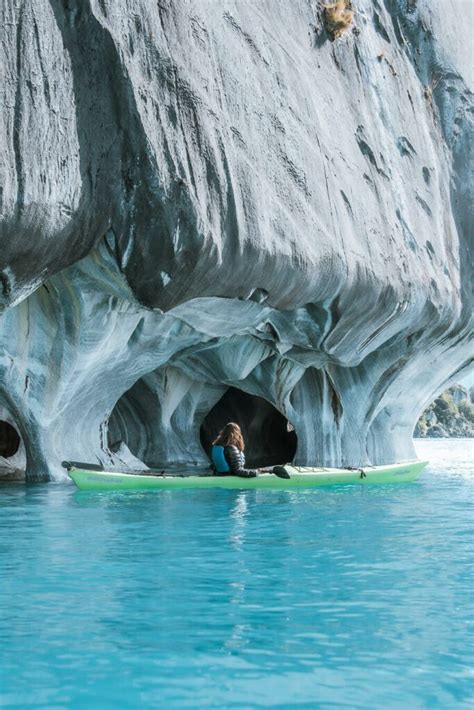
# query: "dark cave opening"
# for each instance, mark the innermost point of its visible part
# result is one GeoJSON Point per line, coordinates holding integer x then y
{"type": "Point", "coordinates": [269, 439]}
{"type": "Point", "coordinates": [134, 419]}
{"type": "Point", "coordinates": [9, 440]}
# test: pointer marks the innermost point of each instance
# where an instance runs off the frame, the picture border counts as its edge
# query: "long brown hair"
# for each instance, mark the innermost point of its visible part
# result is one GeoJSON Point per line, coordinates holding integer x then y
{"type": "Point", "coordinates": [230, 435]}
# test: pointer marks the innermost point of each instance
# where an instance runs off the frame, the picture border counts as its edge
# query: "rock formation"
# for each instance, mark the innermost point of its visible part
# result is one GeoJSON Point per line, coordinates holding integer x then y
{"type": "Point", "coordinates": [451, 414]}
{"type": "Point", "coordinates": [209, 195]}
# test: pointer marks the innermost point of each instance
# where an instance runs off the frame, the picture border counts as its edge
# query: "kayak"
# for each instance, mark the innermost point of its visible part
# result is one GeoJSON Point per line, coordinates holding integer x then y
{"type": "Point", "coordinates": [91, 478]}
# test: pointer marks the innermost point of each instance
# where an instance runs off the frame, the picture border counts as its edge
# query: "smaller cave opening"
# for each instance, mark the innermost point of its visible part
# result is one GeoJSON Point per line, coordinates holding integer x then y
{"type": "Point", "coordinates": [269, 438]}
{"type": "Point", "coordinates": [9, 440]}
{"type": "Point", "coordinates": [133, 419]}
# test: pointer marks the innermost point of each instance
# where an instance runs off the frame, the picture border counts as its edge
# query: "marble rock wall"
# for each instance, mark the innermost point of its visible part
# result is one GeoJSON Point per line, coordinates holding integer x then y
{"type": "Point", "coordinates": [205, 195]}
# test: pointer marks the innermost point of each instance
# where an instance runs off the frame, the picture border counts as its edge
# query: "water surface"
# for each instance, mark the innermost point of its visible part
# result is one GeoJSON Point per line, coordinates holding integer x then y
{"type": "Point", "coordinates": [347, 597]}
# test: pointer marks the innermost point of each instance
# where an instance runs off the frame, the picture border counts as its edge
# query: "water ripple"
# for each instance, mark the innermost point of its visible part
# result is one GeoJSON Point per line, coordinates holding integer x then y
{"type": "Point", "coordinates": [343, 598]}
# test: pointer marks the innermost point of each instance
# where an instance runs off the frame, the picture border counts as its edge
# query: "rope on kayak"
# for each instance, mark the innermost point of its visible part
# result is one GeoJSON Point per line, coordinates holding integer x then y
{"type": "Point", "coordinates": [304, 469]}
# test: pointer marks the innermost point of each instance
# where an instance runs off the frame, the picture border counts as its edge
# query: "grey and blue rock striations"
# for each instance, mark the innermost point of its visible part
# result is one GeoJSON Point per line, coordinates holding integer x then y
{"type": "Point", "coordinates": [213, 194]}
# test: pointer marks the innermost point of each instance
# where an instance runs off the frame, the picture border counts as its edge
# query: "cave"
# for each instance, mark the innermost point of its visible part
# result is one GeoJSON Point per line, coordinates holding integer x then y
{"type": "Point", "coordinates": [135, 421]}
{"type": "Point", "coordinates": [158, 420]}
{"type": "Point", "coordinates": [181, 435]}
{"type": "Point", "coordinates": [269, 437]}
{"type": "Point", "coordinates": [9, 440]}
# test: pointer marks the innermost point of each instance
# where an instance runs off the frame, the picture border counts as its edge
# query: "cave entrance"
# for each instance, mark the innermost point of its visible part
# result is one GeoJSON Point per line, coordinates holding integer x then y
{"type": "Point", "coordinates": [157, 420]}
{"type": "Point", "coordinates": [269, 438]}
{"type": "Point", "coordinates": [133, 420]}
{"type": "Point", "coordinates": [9, 440]}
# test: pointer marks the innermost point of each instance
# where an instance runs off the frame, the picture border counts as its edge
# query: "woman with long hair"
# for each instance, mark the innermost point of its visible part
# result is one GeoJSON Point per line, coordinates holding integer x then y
{"type": "Point", "coordinates": [227, 453]}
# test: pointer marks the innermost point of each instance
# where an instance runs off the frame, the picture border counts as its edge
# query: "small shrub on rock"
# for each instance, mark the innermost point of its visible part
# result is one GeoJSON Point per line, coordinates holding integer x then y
{"type": "Point", "coordinates": [338, 17]}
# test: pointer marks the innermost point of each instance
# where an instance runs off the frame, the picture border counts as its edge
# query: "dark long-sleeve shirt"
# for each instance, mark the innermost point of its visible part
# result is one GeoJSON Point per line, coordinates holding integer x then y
{"type": "Point", "coordinates": [236, 461]}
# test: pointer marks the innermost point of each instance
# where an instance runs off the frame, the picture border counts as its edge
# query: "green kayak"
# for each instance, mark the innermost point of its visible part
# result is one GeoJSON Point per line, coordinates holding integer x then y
{"type": "Point", "coordinates": [91, 478]}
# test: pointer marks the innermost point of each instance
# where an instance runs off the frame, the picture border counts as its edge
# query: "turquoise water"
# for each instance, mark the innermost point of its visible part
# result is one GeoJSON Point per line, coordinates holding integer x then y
{"type": "Point", "coordinates": [343, 597]}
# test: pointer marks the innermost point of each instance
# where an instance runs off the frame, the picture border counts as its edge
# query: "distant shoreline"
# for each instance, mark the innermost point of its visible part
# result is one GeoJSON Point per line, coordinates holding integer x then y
{"type": "Point", "coordinates": [450, 416]}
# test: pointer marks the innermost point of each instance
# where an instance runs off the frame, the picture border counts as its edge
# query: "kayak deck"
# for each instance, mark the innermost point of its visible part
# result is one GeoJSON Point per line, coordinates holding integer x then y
{"type": "Point", "coordinates": [299, 477]}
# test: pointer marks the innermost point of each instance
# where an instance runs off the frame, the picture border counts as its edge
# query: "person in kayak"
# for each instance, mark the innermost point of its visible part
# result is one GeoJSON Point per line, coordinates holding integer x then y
{"type": "Point", "coordinates": [227, 453]}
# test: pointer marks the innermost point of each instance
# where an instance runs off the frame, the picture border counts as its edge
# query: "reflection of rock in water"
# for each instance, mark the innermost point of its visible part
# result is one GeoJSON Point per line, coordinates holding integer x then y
{"type": "Point", "coordinates": [235, 202]}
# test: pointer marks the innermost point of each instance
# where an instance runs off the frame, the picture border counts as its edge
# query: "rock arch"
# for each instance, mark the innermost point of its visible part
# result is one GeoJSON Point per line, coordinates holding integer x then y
{"type": "Point", "coordinates": [157, 420]}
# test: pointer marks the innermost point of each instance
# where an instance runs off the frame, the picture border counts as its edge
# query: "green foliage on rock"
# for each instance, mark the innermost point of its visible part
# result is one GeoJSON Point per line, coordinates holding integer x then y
{"type": "Point", "coordinates": [451, 414]}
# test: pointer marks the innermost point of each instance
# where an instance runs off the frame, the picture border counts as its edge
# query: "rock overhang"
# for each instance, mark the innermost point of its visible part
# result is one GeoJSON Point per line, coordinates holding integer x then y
{"type": "Point", "coordinates": [302, 199]}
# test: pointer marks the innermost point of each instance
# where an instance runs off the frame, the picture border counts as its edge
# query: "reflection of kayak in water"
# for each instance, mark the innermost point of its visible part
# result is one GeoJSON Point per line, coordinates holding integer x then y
{"type": "Point", "coordinates": [89, 477]}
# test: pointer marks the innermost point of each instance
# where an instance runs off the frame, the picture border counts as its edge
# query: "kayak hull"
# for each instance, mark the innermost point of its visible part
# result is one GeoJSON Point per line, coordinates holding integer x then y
{"type": "Point", "coordinates": [299, 477]}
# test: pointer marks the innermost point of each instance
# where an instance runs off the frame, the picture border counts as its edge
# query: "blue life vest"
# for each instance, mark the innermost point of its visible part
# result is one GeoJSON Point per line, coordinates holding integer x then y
{"type": "Point", "coordinates": [219, 460]}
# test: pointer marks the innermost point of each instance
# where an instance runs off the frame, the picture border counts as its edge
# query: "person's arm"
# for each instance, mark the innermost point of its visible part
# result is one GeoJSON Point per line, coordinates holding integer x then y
{"type": "Point", "coordinates": [236, 461]}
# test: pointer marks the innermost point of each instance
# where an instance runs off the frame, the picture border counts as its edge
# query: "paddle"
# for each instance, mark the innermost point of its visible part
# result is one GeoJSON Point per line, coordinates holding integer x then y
{"type": "Point", "coordinates": [281, 472]}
